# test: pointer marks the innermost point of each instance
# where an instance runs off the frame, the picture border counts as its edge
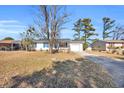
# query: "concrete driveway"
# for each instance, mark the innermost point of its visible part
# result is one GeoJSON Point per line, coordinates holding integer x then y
{"type": "Point", "coordinates": [115, 67]}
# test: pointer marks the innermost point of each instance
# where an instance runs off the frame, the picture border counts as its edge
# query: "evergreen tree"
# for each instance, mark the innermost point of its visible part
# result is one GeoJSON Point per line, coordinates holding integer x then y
{"type": "Point", "coordinates": [77, 29]}
{"type": "Point", "coordinates": [88, 31]}
{"type": "Point", "coordinates": [108, 24]}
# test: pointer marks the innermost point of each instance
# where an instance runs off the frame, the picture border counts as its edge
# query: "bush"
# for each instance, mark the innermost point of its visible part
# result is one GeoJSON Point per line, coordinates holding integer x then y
{"type": "Point", "coordinates": [111, 47]}
{"type": "Point", "coordinates": [112, 50]}
{"type": "Point", "coordinates": [122, 47]}
{"type": "Point", "coordinates": [5, 48]}
{"type": "Point", "coordinates": [117, 47]}
{"type": "Point", "coordinates": [121, 52]}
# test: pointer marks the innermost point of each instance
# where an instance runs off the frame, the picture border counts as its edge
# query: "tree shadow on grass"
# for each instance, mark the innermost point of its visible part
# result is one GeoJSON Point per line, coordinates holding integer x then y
{"type": "Point", "coordinates": [67, 74]}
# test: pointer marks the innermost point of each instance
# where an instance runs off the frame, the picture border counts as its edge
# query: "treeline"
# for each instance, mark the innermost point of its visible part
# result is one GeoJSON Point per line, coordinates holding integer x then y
{"type": "Point", "coordinates": [84, 30]}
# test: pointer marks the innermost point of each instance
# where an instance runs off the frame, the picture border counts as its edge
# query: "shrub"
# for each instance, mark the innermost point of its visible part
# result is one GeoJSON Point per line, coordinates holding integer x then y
{"type": "Point", "coordinates": [112, 51]}
{"type": "Point", "coordinates": [5, 48]}
{"type": "Point", "coordinates": [121, 52]}
{"type": "Point", "coordinates": [117, 47]}
{"type": "Point", "coordinates": [122, 47]}
{"type": "Point", "coordinates": [113, 47]}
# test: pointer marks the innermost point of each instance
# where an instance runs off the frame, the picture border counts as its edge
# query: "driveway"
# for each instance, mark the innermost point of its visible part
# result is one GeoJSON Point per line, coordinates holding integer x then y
{"type": "Point", "coordinates": [115, 67]}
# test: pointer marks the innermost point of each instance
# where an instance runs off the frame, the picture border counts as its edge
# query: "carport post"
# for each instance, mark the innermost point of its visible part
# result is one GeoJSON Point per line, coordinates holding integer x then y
{"type": "Point", "coordinates": [12, 46]}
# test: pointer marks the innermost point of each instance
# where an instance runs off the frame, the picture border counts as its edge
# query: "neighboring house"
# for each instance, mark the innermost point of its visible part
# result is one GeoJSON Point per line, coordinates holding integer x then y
{"type": "Point", "coordinates": [63, 44]}
{"type": "Point", "coordinates": [104, 45]}
{"type": "Point", "coordinates": [9, 45]}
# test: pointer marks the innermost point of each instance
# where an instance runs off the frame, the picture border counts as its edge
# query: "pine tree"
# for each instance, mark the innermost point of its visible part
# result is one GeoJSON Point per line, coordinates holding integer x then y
{"type": "Point", "coordinates": [108, 24]}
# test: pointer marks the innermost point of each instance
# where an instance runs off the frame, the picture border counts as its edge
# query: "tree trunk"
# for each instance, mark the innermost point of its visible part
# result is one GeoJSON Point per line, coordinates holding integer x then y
{"type": "Point", "coordinates": [50, 47]}
{"type": "Point", "coordinates": [51, 50]}
{"type": "Point", "coordinates": [26, 48]}
{"type": "Point", "coordinates": [103, 31]}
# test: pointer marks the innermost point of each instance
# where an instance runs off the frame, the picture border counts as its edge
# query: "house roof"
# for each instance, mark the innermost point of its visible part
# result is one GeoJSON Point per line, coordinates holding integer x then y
{"type": "Point", "coordinates": [7, 41]}
{"type": "Point", "coordinates": [114, 41]}
{"type": "Point", "coordinates": [41, 41]}
{"type": "Point", "coordinates": [76, 41]}
{"type": "Point", "coordinates": [60, 40]}
{"type": "Point", "coordinates": [44, 40]}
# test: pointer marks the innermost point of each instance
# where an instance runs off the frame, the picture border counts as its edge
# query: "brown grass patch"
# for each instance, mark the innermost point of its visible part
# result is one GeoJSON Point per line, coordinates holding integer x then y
{"type": "Point", "coordinates": [66, 74]}
{"type": "Point", "coordinates": [24, 63]}
{"type": "Point", "coordinates": [37, 69]}
{"type": "Point", "coordinates": [107, 54]}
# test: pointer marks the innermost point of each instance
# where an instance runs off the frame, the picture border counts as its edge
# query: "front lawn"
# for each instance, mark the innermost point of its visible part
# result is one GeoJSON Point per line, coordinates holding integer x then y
{"type": "Point", "coordinates": [41, 69]}
{"type": "Point", "coordinates": [24, 63]}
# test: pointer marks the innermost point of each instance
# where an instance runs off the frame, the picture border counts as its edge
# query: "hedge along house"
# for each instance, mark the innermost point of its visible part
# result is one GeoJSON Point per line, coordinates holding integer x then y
{"type": "Point", "coordinates": [63, 45]}
{"type": "Point", "coordinates": [106, 44]}
{"type": "Point", "coordinates": [9, 45]}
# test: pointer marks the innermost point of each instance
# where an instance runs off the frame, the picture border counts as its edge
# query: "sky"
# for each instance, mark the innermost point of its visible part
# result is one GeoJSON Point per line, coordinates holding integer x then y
{"type": "Point", "coordinates": [16, 19]}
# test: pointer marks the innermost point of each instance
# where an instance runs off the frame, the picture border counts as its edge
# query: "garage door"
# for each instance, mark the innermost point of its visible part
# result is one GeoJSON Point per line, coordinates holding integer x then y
{"type": "Point", "coordinates": [75, 47]}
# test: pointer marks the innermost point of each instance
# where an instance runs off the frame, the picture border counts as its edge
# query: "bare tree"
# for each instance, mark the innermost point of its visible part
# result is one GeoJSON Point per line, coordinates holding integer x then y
{"type": "Point", "coordinates": [57, 20]}
{"type": "Point", "coordinates": [45, 13]}
{"type": "Point", "coordinates": [118, 33]}
{"type": "Point", "coordinates": [53, 20]}
{"type": "Point", "coordinates": [27, 38]}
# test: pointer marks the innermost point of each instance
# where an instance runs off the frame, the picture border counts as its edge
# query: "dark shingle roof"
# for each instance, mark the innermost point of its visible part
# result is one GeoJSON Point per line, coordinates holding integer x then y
{"type": "Point", "coordinates": [42, 41]}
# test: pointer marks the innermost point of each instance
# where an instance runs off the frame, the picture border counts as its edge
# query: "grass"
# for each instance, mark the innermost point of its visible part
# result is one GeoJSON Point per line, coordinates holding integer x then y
{"type": "Point", "coordinates": [66, 74]}
{"type": "Point", "coordinates": [24, 63]}
{"type": "Point", "coordinates": [40, 69]}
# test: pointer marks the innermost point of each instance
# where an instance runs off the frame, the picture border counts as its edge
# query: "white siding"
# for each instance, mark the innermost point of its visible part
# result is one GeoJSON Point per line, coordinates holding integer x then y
{"type": "Point", "coordinates": [76, 47]}
{"type": "Point", "coordinates": [114, 45]}
{"type": "Point", "coordinates": [118, 45]}
{"type": "Point", "coordinates": [39, 46]}
{"type": "Point", "coordinates": [107, 45]}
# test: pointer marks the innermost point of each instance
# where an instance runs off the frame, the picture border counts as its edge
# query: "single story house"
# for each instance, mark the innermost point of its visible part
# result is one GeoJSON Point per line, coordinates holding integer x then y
{"type": "Point", "coordinates": [104, 45]}
{"type": "Point", "coordinates": [9, 45]}
{"type": "Point", "coordinates": [63, 44]}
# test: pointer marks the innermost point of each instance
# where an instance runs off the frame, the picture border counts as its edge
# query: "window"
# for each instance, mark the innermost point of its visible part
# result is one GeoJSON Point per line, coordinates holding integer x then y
{"type": "Point", "coordinates": [63, 44]}
{"type": "Point", "coordinates": [45, 45]}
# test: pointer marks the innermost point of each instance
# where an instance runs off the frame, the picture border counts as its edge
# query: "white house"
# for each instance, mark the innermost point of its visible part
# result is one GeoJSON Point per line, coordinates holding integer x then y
{"type": "Point", "coordinates": [64, 44]}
